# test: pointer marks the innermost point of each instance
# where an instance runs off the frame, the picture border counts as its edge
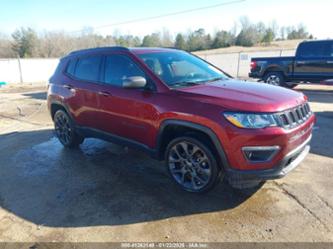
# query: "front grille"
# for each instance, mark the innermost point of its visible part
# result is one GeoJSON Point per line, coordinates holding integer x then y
{"type": "Point", "coordinates": [296, 116]}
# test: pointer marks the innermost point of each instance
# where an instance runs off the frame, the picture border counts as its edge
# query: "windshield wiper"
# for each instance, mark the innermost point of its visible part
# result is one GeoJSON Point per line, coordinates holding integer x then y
{"type": "Point", "coordinates": [194, 83]}
{"type": "Point", "coordinates": [215, 79]}
{"type": "Point", "coordinates": [186, 83]}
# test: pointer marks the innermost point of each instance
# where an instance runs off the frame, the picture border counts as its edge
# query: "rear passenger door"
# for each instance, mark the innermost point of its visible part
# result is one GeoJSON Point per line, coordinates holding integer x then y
{"type": "Point", "coordinates": [84, 76]}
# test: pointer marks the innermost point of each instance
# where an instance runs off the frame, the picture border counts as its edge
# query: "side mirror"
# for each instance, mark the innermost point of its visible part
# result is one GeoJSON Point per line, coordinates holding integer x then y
{"type": "Point", "coordinates": [134, 82]}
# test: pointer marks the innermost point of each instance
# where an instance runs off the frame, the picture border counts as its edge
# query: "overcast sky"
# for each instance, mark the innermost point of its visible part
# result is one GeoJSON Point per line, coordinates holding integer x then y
{"type": "Point", "coordinates": [72, 15]}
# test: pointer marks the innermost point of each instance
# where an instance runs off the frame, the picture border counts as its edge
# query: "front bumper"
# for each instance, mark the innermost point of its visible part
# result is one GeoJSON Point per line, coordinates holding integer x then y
{"type": "Point", "coordinates": [250, 178]}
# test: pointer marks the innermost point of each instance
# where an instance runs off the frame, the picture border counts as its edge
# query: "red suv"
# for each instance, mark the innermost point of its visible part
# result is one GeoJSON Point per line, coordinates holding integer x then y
{"type": "Point", "coordinates": [181, 109]}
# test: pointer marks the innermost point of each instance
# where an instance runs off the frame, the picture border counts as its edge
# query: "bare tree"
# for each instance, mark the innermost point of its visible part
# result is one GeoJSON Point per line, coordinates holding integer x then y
{"type": "Point", "coordinates": [5, 47]}
{"type": "Point", "coordinates": [26, 42]}
{"type": "Point", "coordinates": [166, 38]}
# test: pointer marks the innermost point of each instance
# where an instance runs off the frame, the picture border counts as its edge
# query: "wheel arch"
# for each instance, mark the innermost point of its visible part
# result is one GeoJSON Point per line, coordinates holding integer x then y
{"type": "Point", "coordinates": [56, 106]}
{"type": "Point", "coordinates": [171, 129]}
{"type": "Point", "coordinates": [274, 68]}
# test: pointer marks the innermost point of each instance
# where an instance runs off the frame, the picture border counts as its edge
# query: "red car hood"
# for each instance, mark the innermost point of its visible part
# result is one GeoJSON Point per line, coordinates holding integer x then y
{"type": "Point", "coordinates": [246, 96]}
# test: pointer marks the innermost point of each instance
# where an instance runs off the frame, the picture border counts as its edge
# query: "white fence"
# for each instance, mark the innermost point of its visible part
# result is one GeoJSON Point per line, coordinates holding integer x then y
{"type": "Point", "coordinates": [40, 70]}
{"type": "Point", "coordinates": [27, 70]}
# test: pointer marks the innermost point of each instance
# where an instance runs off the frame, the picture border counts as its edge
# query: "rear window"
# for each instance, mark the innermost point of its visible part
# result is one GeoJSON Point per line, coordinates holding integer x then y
{"type": "Point", "coordinates": [71, 66]}
{"type": "Point", "coordinates": [87, 68]}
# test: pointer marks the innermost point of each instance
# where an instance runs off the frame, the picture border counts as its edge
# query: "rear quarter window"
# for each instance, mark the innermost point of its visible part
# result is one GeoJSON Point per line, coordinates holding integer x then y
{"type": "Point", "coordinates": [71, 66]}
{"type": "Point", "coordinates": [59, 70]}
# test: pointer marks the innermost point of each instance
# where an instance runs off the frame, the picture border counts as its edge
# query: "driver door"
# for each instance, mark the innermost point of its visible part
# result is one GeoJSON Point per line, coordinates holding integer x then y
{"type": "Point", "coordinates": [128, 113]}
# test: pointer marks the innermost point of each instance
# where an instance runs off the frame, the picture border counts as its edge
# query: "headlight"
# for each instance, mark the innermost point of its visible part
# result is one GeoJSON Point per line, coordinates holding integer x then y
{"type": "Point", "coordinates": [251, 120]}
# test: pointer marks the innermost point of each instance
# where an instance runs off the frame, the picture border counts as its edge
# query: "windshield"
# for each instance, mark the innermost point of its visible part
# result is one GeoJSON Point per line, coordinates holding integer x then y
{"type": "Point", "coordinates": [179, 69]}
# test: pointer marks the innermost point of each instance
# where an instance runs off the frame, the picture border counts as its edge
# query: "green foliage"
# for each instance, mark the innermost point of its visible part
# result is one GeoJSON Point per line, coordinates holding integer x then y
{"type": "Point", "coordinates": [248, 37]}
{"type": "Point", "coordinates": [180, 42]}
{"type": "Point", "coordinates": [223, 39]}
{"type": "Point", "coordinates": [25, 42]}
{"type": "Point", "coordinates": [127, 41]}
{"type": "Point", "coordinates": [269, 36]}
{"type": "Point", "coordinates": [198, 40]}
{"type": "Point", "coordinates": [152, 40]}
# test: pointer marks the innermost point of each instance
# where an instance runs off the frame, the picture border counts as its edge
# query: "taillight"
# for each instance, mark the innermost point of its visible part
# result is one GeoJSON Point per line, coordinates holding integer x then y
{"type": "Point", "coordinates": [253, 65]}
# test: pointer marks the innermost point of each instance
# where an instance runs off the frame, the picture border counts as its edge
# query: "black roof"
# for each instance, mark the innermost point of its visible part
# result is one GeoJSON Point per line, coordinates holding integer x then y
{"type": "Point", "coordinates": [323, 40]}
{"type": "Point", "coordinates": [99, 49]}
{"type": "Point", "coordinates": [115, 48]}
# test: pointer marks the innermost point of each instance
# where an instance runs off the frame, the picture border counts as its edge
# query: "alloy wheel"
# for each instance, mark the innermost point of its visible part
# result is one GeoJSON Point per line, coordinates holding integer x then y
{"type": "Point", "coordinates": [273, 80]}
{"type": "Point", "coordinates": [190, 166]}
{"type": "Point", "coordinates": [63, 128]}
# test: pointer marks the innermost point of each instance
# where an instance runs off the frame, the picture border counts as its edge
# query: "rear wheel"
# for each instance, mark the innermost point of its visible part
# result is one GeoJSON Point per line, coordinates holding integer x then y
{"type": "Point", "coordinates": [192, 165]}
{"type": "Point", "coordinates": [274, 78]}
{"type": "Point", "coordinates": [65, 130]}
{"type": "Point", "coordinates": [277, 79]}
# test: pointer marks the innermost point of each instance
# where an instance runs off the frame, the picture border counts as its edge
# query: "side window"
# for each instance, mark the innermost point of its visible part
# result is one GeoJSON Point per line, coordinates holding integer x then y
{"type": "Point", "coordinates": [88, 68]}
{"type": "Point", "coordinates": [311, 49]}
{"type": "Point", "coordinates": [71, 66]}
{"type": "Point", "coordinates": [120, 67]}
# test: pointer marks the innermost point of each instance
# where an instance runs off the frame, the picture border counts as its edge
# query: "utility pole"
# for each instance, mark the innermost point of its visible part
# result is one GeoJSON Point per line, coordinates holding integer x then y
{"type": "Point", "coordinates": [20, 68]}
{"type": "Point", "coordinates": [238, 64]}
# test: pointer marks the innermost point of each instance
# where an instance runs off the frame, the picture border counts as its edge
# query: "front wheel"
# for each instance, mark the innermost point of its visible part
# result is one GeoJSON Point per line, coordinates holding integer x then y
{"type": "Point", "coordinates": [192, 165]}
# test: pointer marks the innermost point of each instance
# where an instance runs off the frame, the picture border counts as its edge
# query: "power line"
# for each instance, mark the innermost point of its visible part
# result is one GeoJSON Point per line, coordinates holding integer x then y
{"type": "Point", "coordinates": [165, 15]}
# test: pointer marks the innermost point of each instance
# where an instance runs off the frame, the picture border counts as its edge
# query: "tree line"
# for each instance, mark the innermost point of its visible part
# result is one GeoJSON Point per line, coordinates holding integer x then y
{"type": "Point", "coordinates": [27, 43]}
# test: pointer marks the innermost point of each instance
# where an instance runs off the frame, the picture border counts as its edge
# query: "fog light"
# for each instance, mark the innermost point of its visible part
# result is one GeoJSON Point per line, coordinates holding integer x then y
{"type": "Point", "coordinates": [256, 154]}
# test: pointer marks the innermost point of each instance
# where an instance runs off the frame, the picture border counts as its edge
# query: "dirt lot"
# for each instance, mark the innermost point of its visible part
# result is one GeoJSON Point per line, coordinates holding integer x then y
{"type": "Point", "coordinates": [103, 192]}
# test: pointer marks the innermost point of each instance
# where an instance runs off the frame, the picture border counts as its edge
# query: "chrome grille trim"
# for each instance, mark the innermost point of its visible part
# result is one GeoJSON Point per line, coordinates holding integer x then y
{"type": "Point", "coordinates": [294, 117]}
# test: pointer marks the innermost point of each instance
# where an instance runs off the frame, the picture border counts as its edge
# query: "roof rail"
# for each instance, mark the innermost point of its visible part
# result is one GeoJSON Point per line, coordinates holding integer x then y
{"type": "Point", "coordinates": [113, 48]}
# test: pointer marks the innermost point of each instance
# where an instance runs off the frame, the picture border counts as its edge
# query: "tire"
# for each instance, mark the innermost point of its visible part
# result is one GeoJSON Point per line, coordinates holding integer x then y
{"type": "Point", "coordinates": [275, 78]}
{"type": "Point", "coordinates": [192, 164]}
{"type": "Point", "coordinates": [65, 130]}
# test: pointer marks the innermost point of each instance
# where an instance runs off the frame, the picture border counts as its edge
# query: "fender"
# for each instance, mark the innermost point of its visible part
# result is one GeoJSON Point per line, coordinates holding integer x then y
{"type": "Point", "coordinates": [274, 68]}
{"type": "Point", "coordinates": [195, 126]}
{"type": "Point", "coordinates": [57, 102]}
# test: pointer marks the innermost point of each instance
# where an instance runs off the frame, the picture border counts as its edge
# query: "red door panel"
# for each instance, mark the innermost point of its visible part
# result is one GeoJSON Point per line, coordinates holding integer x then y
{"type": "Point", "coordinates": [128, 113]}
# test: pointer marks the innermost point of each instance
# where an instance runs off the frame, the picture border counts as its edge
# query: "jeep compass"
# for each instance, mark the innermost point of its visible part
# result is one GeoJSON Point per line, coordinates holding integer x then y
{"type": "Point", "coordinates": [181, 109]}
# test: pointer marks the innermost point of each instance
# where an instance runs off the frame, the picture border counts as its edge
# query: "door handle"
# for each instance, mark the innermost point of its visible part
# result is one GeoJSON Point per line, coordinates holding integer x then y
{"type": "Point", "coordinates": [329, 62]}
{"type": "Point", "coordinates": [104, 93]}
{"type": "Point", "coordinates": [301, 62]}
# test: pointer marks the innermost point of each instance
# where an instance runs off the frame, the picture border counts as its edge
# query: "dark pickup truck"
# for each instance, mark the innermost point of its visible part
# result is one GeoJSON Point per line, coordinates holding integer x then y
{"type": "Point", "coordinates": [313, 63]}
